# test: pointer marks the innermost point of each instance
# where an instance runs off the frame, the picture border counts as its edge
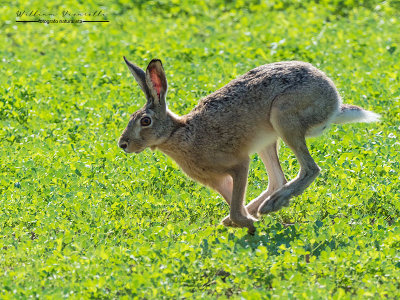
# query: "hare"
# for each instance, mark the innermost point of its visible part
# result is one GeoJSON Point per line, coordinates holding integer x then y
{"type": "Point", "coordinates": [290, 100]}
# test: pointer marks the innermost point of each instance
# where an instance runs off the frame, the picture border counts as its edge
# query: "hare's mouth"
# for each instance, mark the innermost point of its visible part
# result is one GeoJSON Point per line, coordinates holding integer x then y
{"type": "Point", "coordinates": [137, 150]}
{"type": "Point", "coordinates": [130, 148]}
{"type": "Point", "coordinates": [127, 151]}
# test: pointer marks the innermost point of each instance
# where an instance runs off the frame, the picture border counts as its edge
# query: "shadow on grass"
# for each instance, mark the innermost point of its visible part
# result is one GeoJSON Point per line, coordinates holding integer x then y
{"type": "Point", "coordinates": [277, 234]}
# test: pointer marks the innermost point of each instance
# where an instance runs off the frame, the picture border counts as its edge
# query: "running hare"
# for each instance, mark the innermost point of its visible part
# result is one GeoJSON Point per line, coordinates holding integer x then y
{"type": "Point", "coordinates": [289, 100]}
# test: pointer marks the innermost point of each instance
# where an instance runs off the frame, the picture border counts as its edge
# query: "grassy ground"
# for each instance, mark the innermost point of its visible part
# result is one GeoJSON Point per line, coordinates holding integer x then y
{"type": "Point", "coordinates": [80, 219]}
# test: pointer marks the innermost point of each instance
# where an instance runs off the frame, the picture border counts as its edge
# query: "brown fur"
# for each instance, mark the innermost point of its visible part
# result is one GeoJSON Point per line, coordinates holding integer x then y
{"type": "Point", "coordinates": [212, 143]}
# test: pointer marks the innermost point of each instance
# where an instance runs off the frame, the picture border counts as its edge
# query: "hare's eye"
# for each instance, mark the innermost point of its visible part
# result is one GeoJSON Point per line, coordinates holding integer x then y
{"type": "Point", "coordinates": [145, 121]}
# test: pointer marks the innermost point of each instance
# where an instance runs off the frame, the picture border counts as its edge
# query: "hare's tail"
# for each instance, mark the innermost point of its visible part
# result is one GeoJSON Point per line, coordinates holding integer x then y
{"type": "Point", "coordinates": [352, 113]}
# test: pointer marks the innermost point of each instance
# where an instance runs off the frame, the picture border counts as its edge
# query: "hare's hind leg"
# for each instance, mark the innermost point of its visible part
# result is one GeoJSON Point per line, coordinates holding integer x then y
{"type": "Point", "coordinates": [276, 178]}
{"type": "Point", "coordinates": [292, 133]}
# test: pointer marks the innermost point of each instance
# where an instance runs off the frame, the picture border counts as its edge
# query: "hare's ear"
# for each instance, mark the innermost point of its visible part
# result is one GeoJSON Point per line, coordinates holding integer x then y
{"type": "Point", "coordinates": [157, 82]}
{"type": "Point", "coordinates": [140, 77]}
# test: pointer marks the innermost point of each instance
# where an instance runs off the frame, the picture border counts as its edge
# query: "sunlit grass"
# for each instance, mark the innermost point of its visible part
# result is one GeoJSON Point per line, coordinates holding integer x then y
{"type": "Point", "coordinates": [79, 218]}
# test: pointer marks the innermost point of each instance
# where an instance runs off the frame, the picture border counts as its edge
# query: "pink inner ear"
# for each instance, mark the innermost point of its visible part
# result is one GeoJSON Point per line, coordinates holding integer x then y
{"type": "Point", "coordinates": [156, 81]}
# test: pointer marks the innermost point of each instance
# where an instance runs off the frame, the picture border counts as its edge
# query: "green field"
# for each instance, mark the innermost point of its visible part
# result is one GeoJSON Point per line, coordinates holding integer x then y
{"type": "Point", "coordinates": [81, 219]}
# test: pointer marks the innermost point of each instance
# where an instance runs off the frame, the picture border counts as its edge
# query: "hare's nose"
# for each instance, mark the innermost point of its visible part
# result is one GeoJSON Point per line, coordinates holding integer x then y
{"type": "Point", "coordinates": [123, 145]}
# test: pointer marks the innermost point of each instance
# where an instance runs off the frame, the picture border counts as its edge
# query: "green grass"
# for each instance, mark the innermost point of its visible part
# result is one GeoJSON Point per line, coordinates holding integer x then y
{"type": "Point", "coordinates": [80, 219]}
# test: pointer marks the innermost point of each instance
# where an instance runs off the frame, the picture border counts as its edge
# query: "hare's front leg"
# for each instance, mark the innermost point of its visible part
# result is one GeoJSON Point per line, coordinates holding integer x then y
{"type": "Point", "coordinates": [224, 186]}
{"type": "Point", "coordinates": [238, 213]}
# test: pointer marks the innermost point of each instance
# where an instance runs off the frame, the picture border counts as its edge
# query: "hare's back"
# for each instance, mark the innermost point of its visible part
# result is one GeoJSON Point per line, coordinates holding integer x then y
{"type": "Point", "coordinates": [255, 90]}
{"type": "Point", "coordinates": [264, 83]}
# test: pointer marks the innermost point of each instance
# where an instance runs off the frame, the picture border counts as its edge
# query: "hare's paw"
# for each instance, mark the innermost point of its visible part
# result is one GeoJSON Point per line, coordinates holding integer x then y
{"type": "Point", "coordinates": [275, 202]}
{"type": "Point", "coordinates": [252, 209]}
{"type": "Point", "coordinates": [241, 221]}
{"type": "Point", "coordinates": [228, 222]}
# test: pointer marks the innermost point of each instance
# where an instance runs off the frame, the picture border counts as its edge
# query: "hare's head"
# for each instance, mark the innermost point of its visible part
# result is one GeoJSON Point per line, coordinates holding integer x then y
{"type": "Point", "coordinates": [150, 125]}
